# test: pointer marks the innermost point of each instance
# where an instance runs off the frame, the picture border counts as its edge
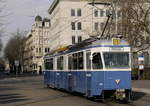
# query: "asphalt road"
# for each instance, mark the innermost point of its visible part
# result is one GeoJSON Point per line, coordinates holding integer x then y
{"type": "Point", "coordinates": [30, 91]}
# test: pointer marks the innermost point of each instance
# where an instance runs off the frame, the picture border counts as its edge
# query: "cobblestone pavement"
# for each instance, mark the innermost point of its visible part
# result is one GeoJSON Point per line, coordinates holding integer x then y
{"type": "Point", "coordinates": [30, 91]}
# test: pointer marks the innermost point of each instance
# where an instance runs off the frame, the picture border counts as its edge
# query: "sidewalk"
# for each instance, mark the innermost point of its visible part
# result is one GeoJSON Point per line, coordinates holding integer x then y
{"type": "Point", "coordinates": [141, 86]}
{"type": "Point", "coordinates": [19, 75]}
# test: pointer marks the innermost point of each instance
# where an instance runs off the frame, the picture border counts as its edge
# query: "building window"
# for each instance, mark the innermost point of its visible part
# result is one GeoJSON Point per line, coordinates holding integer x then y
{"type": "Point", "coordinates": [102, 26]}
{"type": "Point", "coordinates": [73, 40]}
{"type": "Point", "coordinates": [79, 39]}
{"type": "Point", "coordinates": [72, 12]}
{"type": "Point", "coordinates": [95, 13]}
{"type": "Point", "coordinates": [39, 50]}
{"type": "Point", "coordinates": [46, 50]}
{"type": "Point", "coordinates": [79, 26]}
{"type": "Point", "coordinates": [107, 13]}
{"type": "Point", "coordinates": [114, 14]}
{"type": "Point", "coordinates": [73, 26]}
{"type": "Point", "coordinates": [79, 12]}
{"type": "Point", "coordinates": [96, 26]}
{"type": "Point", "coordinates": [102, 13]}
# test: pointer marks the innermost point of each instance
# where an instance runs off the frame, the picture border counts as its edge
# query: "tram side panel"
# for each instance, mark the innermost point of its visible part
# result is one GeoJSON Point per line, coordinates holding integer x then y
{"type": "Point", "coordinates": [45, 77]}
{"type": "Point", "coordinates": [88, 78]}
{"type": "Point", "coordinates": [97, 83]}
{"type": "Point", "coordinates": [52, 78]}
{"type": "Point", "coordinates": [62, 79]}
{"type": "Point", "coordinates": [69, 82]}
{"type": "Point", "coordinates": [79, 80]}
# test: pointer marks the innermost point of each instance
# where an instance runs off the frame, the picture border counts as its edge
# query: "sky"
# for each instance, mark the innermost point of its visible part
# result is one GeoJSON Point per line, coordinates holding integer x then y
{"type": "Point", "coordinates": [21, 13]}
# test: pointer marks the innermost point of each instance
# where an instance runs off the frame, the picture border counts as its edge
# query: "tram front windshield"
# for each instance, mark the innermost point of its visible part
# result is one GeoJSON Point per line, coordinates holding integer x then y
{"type": "Point", "coordinates": [116, 60]}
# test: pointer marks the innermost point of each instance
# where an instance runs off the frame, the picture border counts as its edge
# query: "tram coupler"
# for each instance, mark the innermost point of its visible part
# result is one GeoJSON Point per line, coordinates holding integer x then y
{"type": "Point", "coordinates": [120, 94]}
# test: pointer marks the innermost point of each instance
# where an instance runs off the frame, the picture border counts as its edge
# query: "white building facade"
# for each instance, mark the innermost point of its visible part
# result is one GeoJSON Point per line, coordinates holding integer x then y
{"type": "Point", "coordinates": [37, 45]}
{"type": "Point", "coordinates": [75, 20]}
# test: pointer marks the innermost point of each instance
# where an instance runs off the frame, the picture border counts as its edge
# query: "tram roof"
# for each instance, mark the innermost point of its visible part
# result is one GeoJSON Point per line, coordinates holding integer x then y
{"type": "Point", "coordinates": [98, 42]}
{"type": "Point", "coordinates": [91, 42]}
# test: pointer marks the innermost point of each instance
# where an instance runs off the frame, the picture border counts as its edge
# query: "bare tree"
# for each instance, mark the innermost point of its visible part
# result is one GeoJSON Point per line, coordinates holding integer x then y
{"type": "Point", "coordinates": [1, 22]}
{"type": "Point", "coordinates": [14, 49]}
{"type": "Point", "coordinates": [135, 22]}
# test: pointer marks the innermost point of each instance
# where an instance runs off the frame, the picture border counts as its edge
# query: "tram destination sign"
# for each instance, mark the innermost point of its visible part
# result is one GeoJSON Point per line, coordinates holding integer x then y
{"type": "Point", "coordinates": [116, 41]}
{"type": "Point", "coordinates": [116, 49]}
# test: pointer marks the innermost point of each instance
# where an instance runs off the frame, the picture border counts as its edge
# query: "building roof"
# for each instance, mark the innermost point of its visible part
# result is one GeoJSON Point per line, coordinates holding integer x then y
{"type": "Point", "coordinates": [55, 2]}
{"type": "Point", "coordinates": [46, 20]}
{"type": "Point", "coordinates": [38, 18]}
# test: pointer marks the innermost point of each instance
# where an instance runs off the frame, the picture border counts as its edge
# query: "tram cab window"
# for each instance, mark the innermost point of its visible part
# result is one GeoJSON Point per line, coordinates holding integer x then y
{"type": "Point", "coordinates": [60, 63]}
{"type": "Point", "coordinates": [97, 61]}
{"type": "Point", "coordinates": [116, 60]}
{"type": "Point", "coordinates": [49, 64]}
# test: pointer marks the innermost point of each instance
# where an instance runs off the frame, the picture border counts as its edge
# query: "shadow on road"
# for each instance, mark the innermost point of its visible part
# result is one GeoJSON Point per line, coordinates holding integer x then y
{"type": "Point", "coordinates": [12, 98]}
{"type": "Point", "coordinates": [137, 95]}
{"type": "Point", "coordinates": [6, 89]}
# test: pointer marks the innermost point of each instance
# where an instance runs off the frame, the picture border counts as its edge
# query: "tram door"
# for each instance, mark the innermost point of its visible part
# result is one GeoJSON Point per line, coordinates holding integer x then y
{"type": "Point", "coordinates": [88, 73]}
{"type": "Point", "coordinates": [57, 74]}
{"type": "Point", "coordinates": [70, 79]}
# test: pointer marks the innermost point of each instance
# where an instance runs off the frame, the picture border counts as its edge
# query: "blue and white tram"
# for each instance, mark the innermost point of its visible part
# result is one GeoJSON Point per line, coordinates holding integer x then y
{"type": "Point", "coordinates": [94, 69]}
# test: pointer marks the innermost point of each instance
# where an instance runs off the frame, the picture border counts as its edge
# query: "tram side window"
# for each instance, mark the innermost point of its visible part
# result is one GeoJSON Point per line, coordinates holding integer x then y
{"type": "Point", "coordinates": [97, 61]}
{"type": "Point", "coordinates": [60, 63]}
{"type": "Point", "coordinates": [49, 64]}
{"type": "Point", "coordinates": [70, 65]}
{"type": "Point", "coordinates": [78, 61]}
{"type": "Point", "coordinates": [75, 61]}
{"type": "Point", "coordinates": [45, 64]}
{"type": "Point", "coordinates": [88, 60]}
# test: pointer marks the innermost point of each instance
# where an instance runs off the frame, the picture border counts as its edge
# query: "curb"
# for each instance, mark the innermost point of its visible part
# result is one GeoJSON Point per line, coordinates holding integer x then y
{"type": "Point", "coordinates": [147, 91]}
